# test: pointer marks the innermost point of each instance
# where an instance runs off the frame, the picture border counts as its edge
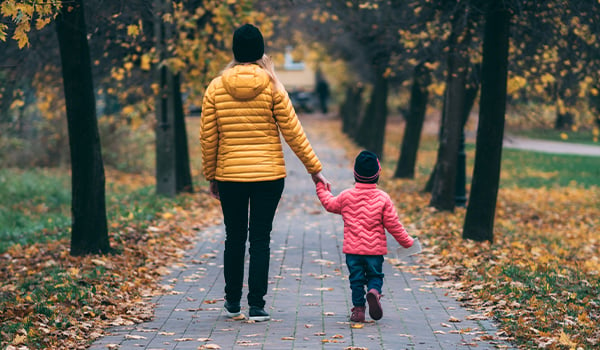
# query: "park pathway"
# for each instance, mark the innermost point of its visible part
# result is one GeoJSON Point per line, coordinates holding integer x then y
{"type": "Point", "coordinates": [546, 146]}
{"type": "Point", "coordinates": [309, 296]}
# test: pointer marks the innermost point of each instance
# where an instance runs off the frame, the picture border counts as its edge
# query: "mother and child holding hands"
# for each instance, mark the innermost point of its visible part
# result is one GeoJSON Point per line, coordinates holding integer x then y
{"type": "Point", "coordinates": [244, 111]}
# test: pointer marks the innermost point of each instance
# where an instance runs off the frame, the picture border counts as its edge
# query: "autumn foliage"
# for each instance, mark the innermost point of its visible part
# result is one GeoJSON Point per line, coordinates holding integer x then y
{"type": "Point", "coordinates": [51, 300]}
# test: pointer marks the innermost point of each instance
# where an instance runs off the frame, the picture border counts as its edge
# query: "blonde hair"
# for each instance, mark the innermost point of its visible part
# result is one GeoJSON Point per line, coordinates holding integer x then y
{"type": "Point", "coordinates": [265, 63]}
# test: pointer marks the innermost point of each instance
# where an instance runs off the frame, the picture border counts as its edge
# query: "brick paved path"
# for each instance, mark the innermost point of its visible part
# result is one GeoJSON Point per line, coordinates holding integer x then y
{"type": "Point", "coordinates": [309, 297]}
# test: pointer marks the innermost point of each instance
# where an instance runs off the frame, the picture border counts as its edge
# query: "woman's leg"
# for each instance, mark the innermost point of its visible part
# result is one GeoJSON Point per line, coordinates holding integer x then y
{"type": "Point", "coordinates": [264, 199]}
{"type": "Point", "coordinates": [234, 203]}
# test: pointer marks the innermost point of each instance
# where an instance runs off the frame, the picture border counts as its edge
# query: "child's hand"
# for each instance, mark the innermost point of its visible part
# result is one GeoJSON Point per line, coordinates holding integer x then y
{"type": "Point", "coordinates": [318, 178]}
{"type": "Point", "coordinates": [406, 251]}
{"type": "Point", "coordinates": [323, 186]}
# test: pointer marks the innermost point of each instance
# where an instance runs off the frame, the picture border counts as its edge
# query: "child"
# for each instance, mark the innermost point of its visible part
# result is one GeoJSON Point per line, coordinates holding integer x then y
{"type": "Point", "coordinates": [367, 212]}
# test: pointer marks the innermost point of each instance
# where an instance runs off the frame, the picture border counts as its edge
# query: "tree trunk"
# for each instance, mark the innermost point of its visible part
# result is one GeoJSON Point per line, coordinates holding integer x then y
{"type": "Point", "coordinates": [89, 233]}
{"type": "Point", "coordinates": [479, 220]}
{"type": "Point", "coordinates": [414, 123]}
{"type": "Point", "coordinates": [444, 181]}
{"type": "Point", "coordinates": [594, 105]}
{"type": "Point", "coordinates": [166, 180]}
{"type": "Point", "coordinates": [350, 109]}
{"type": "Point", "coordinates": [460, 195]}
{"type": "Point", "coordinates": [430, 181]}
{"type": "Point", "coordinates": [565, 104]}
{"type": "Point", "coordinates": [371, 132]}
{"type": "Point", "coordinates": [183, 178]}
{"type": "Point", "coordinates": [567, 89]}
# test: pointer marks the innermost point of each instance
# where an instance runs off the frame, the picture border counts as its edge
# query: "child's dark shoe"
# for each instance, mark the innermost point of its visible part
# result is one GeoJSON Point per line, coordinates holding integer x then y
{"type": "Point", "coordinates": [358, 314]}
{"type": "Point", "coordinates": [375, 310]}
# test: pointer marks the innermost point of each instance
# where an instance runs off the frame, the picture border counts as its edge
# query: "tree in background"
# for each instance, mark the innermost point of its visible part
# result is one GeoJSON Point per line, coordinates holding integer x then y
{"type": "Point", "coordinates": [414, 122]}
{"type": "Point", "coordinates": [89, 232]}
{"type": "Point", "coordinates": [479, 220]}
{"type": "Point", "coordinates": [173, 173]}
{"type": "Point", "coordinates": [444, 179]}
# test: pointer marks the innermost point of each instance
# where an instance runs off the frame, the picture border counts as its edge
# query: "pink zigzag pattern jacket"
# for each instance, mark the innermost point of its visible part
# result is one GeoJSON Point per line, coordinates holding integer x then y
{"type": "Point", "coordinates": [367, 212]}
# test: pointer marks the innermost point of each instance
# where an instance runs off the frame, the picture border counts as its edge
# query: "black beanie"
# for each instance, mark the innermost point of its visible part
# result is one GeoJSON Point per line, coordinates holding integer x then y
{"type": "Point", "coordinates": [366, 167]}
{"type": "Point", "coordinates": [248, 44]}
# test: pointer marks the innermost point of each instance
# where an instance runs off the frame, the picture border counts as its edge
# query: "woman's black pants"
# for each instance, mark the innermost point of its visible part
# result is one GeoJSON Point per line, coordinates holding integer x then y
{"type": "Point", "coordinates": [248, 212]}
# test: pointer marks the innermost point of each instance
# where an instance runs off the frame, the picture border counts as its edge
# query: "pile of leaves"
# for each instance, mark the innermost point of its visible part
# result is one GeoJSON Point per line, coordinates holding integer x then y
{"type": "Point", "coordinates": [51, 300]}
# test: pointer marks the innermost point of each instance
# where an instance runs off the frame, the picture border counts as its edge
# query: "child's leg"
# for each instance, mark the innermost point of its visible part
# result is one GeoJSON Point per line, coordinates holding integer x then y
{"type": "Point", "coordinates": [374, 275]}
{"type": "Point", "coordinates": [356, 270]}
{"type": "Point", "coordinates": [374, 272]}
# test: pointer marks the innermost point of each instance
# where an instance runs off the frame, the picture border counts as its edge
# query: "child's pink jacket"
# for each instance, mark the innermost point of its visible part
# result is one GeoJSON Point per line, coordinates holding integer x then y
{"type": "Point", "coordinates": [367, 212]}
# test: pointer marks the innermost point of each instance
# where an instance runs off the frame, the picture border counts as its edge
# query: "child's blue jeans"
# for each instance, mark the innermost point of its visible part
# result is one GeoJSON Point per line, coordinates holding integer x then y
{"type": "Point", "coordinates": [364, 270]}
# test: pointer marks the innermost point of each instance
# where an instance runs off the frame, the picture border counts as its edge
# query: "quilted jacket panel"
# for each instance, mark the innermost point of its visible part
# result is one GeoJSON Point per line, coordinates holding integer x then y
{"type": "Point", "coordinates": [242, 120]}
{"type": "Point", "coordinates": [367, 212]}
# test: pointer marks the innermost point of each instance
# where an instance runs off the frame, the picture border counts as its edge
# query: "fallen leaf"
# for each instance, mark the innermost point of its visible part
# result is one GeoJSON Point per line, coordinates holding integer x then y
{"type": "Point", "coordinates": [134, 336]}
{"type": "Point", "coordinates": [209, 346]}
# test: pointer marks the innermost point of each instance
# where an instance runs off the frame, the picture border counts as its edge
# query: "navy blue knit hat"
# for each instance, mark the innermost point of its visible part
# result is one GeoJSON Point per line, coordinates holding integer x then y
{"type": "Point", "coordinates": [248, 44]}
{"type": "Point", "coordinates": [366, 167]}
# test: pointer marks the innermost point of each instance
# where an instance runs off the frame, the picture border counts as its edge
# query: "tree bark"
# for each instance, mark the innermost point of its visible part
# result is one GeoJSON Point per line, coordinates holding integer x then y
{"type": "Point", "coordinates": [89, 233]}
{"type": "Point", "coordinates": [183, 177]}
{"type": "Point", "coordinates": [567, 89]}
{"type": "Point", "coordinates": [444, 181]}
{"type": "Point", "coordinates": [479, 220]}
{"type": "Point", "coordinates": [414, 123]}
{"type": "Point", "coordinates": [594, 105]}
{"type": "Point", "coordinates": [166, 154]}
{"type": "Point", "coordinates": [371, 132]}
{"type": "Point", "coordinates": [350, 109]}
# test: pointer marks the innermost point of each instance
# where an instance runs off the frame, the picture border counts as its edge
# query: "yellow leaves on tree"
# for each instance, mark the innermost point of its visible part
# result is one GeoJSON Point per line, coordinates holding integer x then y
{"type": "Point", "coordinates": [21, 14]}
{"type": "Point", "coordinates": [514, 85]}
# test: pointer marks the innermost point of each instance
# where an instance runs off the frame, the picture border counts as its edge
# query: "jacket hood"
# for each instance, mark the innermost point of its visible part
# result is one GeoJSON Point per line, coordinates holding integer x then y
{"type": "Point", "coordinates": [245, 81]}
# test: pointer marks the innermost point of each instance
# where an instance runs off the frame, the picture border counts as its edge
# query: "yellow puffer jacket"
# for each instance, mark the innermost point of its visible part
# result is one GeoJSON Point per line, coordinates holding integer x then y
{"type": "Point", "coordinates": [242, 115]}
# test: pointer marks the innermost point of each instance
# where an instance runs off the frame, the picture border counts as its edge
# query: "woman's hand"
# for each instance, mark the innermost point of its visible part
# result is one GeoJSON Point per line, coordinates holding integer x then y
{"type": "Point", "coordinates": [214, 189]}
{"type": "Point", "coordinates": [318, 177]}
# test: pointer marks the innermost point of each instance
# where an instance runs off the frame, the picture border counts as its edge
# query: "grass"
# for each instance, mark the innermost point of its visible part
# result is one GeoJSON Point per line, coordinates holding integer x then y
{"type": "Point", "coordinates": [35, 204]}
{"type": "Point", "coordinates": [533, 169]}
{"type": "Point", "coordinates": [570, 136]}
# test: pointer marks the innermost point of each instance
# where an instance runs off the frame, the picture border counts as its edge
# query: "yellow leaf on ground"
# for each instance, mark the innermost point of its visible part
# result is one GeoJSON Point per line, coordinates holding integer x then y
{"type": "Point", "coordinates": [19, 339]}
{"type": "Point", "coordinates": [564, 339]}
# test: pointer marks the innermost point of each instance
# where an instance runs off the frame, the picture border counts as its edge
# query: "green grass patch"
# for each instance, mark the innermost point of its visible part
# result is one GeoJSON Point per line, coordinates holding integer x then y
{"type": "Point", "coordinates": [34, 206]}
{"type": "Point", "coordinates": [534, 169]}
{"type": "Point", "coordinates": [569, 136]}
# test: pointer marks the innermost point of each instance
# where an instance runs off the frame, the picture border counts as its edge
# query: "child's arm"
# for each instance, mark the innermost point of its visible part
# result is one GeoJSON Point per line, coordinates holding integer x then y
{"type": "Point", "coordinates": [329, 202]}
{"type": "Point", "coordinates": [391, 222]}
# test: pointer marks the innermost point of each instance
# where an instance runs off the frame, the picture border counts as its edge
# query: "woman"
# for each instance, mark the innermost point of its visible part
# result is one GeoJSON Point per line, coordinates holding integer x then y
{"type": "Point", "coordinates": [243, 112]}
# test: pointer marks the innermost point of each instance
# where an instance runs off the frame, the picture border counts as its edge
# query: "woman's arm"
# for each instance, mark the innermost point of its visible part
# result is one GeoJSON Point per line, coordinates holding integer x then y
{"type": "Point", "coordinates": [209, 135]}
{"type": "Point", "coordinates": [293, 133]}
